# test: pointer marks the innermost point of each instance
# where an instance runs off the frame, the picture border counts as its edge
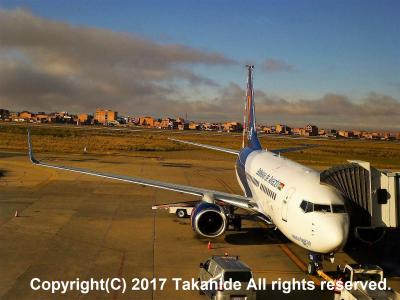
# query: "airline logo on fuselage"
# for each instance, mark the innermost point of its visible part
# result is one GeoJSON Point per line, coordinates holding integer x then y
{"type": "Point", "coordinates": [276, 183]}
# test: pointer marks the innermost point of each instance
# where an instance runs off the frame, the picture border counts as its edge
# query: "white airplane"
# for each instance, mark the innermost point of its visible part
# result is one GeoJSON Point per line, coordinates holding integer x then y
{"type": "Point", "coordinates": [277, 190]}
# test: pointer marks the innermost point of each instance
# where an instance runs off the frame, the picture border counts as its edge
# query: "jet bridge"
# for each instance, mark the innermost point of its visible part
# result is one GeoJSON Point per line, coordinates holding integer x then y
{"type": "Point", "coordinates": [372, 195]}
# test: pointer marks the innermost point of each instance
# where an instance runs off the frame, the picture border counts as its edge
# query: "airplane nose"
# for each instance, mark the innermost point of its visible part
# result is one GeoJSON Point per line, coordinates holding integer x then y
{"type": "Point", "coordinates": [334, 235]}
{"type": "Point", "coordinates": [339, 232]}
{"type": "Point", "coordinates": [336, 239]}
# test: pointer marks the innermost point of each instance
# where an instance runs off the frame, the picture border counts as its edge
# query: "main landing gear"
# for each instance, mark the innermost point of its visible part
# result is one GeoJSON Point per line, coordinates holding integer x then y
{"type": "Point", "coordinates": [316, 260]}
{"type": "Point", "coordinates": [233, 219]}
{"type": "Point", "coordinates": [236, 222]}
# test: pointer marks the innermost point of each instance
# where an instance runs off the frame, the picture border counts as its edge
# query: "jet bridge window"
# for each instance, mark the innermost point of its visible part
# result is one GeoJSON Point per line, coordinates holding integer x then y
{"type": "Point", "coordinates": [322, 207]}
{"type": "Point", "coordinates": [306, 206]}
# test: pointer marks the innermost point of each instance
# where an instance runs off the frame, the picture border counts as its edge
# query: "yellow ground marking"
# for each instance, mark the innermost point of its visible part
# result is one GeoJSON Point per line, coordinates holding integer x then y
{"type": "Point", "coordinates": [325, 276]}
{"type": "Point", "coordinates": [299, 263]}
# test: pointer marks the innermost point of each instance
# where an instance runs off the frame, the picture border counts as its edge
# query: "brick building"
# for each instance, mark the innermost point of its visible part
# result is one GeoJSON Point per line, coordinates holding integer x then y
{"type": "Point", "coordinates": [233, 127]}
{"type": "Point", "coordinates": [85, 119]}
{"type": "Point", "coordinates": [26, 115]}
{"type": "Point", "coordinates": [146, 121]}
{"type": "Point", "coordinates": [105, 116]}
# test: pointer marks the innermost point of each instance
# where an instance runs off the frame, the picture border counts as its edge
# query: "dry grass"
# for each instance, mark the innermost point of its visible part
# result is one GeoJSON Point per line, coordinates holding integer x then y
{"type": "Point", "coordinates": [70, 139]}
{"type": "Point", "coordinates": [74, 140]}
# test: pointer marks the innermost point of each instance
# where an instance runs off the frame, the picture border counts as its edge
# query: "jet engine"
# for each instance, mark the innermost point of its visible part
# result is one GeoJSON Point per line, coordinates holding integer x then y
{"type": "Point", "coordinates": [208, 220]}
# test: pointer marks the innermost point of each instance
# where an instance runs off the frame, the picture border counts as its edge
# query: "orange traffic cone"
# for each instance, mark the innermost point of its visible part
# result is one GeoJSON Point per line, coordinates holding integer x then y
{"type": "Point", "coordinates": [209, 246]}
{"type": "Point", "coordinates": [16, 214]}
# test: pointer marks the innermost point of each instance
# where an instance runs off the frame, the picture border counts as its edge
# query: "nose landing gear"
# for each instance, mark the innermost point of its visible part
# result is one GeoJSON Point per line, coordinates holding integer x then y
{"type": "Point", "coordinates": [316, 260]}
{"type": "Point", "coordinates": [315, 263]}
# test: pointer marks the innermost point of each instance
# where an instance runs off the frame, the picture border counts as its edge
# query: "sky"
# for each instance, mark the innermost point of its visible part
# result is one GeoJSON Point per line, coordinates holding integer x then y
{"type": "Point", "coordinates": [333, 63]}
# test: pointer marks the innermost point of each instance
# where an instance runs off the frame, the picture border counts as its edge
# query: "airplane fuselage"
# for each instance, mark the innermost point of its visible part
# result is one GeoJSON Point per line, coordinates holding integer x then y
{"type": "Point", "coordinates": [307, 212]}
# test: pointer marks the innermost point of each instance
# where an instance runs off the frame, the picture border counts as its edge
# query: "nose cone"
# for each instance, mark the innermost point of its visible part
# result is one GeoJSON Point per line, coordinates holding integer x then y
{"type": "Point", "coordinates": [337, 237]}
{"type": "Point", "coordinates": [333, 234]}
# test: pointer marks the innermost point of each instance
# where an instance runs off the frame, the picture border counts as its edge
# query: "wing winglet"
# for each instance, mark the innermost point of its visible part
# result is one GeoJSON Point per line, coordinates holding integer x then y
{"type": "Point", "coordinates": [30, 148]}
{"type": "Point", "coordinates": [299, 148]}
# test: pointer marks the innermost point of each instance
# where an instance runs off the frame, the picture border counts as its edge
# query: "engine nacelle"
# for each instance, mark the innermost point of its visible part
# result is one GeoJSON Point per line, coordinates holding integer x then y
{"type": "Point", "coordinates": [208, 220]}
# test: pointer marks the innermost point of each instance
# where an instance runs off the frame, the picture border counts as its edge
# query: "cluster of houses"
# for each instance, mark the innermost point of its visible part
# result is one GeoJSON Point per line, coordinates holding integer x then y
{"type": "Point", "coordinates": [111, 118]}
{"type": "Point", "coordinates": [101, 116]}
{"type": "Point", "coordinates": [181, 124]}
{"type": "Point", "coordinates": [313, 130]}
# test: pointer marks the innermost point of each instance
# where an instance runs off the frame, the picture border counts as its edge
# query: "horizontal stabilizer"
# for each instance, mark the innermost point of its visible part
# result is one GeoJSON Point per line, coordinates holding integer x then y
{"type": "Point", "coordinates": [236, 152]}
{"type": "Point", "coordinates": [286, 150]}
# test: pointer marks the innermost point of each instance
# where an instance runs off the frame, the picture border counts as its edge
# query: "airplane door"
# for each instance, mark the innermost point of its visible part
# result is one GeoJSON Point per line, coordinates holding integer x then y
{"type": "Point", "coordinates": [285, 203]}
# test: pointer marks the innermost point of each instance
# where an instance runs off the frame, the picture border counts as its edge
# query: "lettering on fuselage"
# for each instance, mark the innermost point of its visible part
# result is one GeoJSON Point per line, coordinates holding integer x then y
{"type": "Point", "coordinates": [271, 180]}
{"type": "Point", "coordinates": [304, 241]}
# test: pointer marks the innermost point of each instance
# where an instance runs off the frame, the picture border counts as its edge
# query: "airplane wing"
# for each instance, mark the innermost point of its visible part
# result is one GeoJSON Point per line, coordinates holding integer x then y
{"type": "Point", "coordinates": [232, 199]}
{"type": "Point", "coordinates": [176, 204]}
{"type": "Point", "coordinates": [231, 151]}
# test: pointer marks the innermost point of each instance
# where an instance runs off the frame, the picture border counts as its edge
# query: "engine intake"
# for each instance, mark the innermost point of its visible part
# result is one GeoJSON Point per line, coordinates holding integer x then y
{"type": "Point", "coordinates": [208, 220]}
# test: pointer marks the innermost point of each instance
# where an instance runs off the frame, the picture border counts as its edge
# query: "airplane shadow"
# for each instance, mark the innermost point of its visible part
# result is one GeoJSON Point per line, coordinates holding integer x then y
{"type": "Point", "coordinates": [3, 173]}
{"type": "Point", "coordinates": [255, 236]}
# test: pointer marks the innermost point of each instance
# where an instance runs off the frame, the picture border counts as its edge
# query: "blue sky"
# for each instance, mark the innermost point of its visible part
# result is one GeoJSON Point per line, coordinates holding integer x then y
{"type": "Point", "coordinates": [314, 59]}
{"type": "Point", "coordinates": [348, 47]}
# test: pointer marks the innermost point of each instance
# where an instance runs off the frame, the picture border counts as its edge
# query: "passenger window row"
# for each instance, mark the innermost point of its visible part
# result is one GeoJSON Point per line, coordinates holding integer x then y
{"type": "Point", "coordinates": [267, 191]}
{"type": "Point", "coordinates": [252, 179]}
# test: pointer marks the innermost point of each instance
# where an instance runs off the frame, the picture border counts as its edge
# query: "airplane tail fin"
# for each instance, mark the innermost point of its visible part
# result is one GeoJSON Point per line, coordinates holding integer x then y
{"type": "Point", "coordinates": [249, 127]}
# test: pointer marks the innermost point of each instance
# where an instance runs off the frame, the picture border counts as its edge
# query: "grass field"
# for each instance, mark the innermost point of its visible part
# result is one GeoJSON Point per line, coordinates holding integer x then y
{"type": "Point", "coordinates": [113, 141]}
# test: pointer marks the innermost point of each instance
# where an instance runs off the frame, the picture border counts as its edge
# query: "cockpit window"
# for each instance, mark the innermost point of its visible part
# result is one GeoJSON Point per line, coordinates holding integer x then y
{"type": "Point", "coordinates": [322, 207]}
{"type": "Point", "coordinates": [306, 206]}
{"type": "Point", "coordinates": [338, 208]}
